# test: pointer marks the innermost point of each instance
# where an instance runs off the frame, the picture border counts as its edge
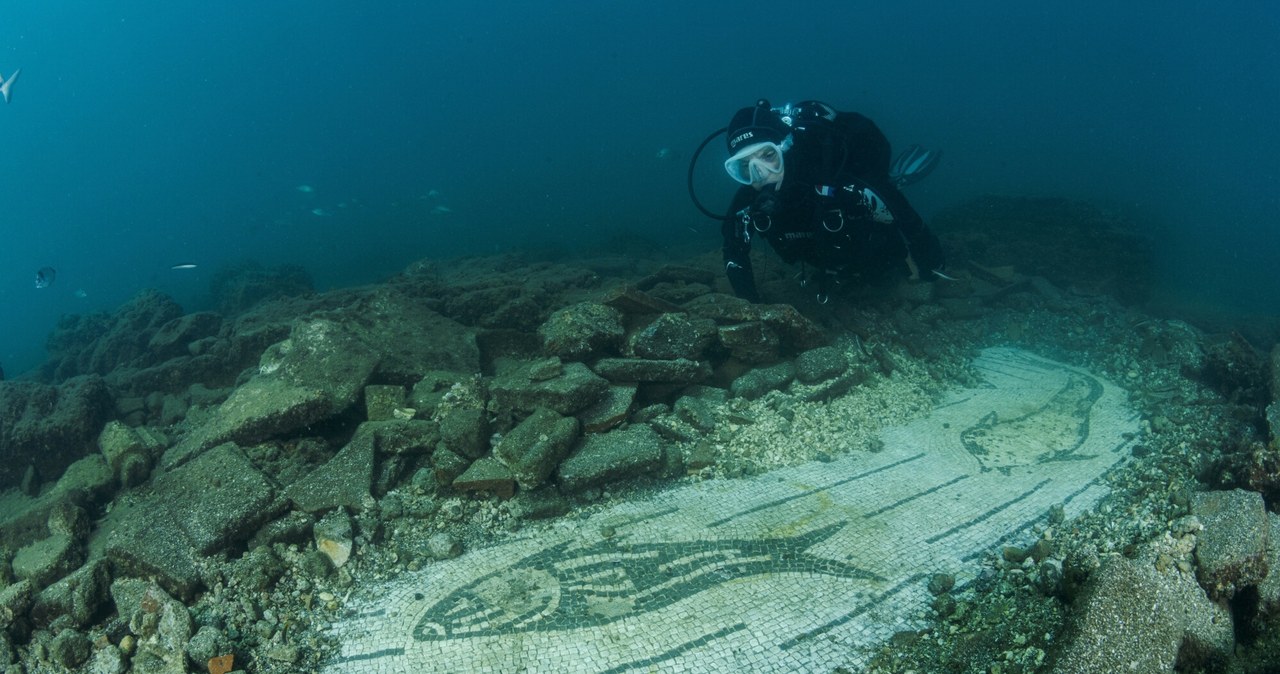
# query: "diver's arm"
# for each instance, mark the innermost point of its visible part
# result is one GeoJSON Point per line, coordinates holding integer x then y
{"type": "Point", "coordinates": [922, 244]}
{"type": "Point", "coordinates": [737, 250]}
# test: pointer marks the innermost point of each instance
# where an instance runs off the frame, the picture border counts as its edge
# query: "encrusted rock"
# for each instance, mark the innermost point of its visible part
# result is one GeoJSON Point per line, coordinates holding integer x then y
{"type": "Point", "coordinates": [672, 336]}
{"type": "Point", "coordinates": [751, 342]}
{"type": "Point", "coordinates": [443, 546]}
{"type": "Point", "coordinates": [1231, 552]}
{"type": "Point", "coordinates": [129, 452]}
{"type": "Point", "coordinates": [334, 537]}
{"type": "Point", "coordinates": [612, 409]}
{"type": "Point", "coordinates": [487, 475]}
{"type": "Point", "coordinates": [581, 331]}
{"type": "Point", "coordinates": [70, 648]}
{"type": "Point", "coordinates": [161, 624]}
{"type": "Point", "coordinates": [1117, 630]}
{"type": "Point", "coordinates": [677, 371]}
{"type": "Point", "coordinates": [224, 501]}
{"type": "Point", "coordinates": [466, 431]}
{"type": "Point", "coordinates": [343, 480]}
{"type": "Point", "coordinates": [1269, 588]}
{"type": "Point", "coordinates": [534, 448]}
{"type": "Point", "coordinates": [15, 601]}
{"type": "Point", "coordinates": [382, 400]}
{"type": "Point", "coordinates": [175, 337]}
{"type": "Point", "coordinates": [632, 452]}
{"type": "Point", "coordinates": [576, 389]}
{"type": "Point", "coordinates": [757, 382]}
{"type": "Point", "coordinates": [447, 466]}
{"type": "Point", "coordinates": [820, 364]}
{"type": "Point", "coordinates": [49, 427]}
{"type": "Point", "coordinates": [696, 412]}
{"type": "Point", "coordinates": [319, 371]}
{"type": "Point", "coordinates": [78, 596]}
{"type": "Point", "coordinates": [629, 300]}
{"type": "Point", "coordinates": [45, 561]}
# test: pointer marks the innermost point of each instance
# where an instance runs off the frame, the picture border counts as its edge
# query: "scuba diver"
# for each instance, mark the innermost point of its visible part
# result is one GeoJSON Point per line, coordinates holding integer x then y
{"type": "Point", "coordinates": [819, 186]}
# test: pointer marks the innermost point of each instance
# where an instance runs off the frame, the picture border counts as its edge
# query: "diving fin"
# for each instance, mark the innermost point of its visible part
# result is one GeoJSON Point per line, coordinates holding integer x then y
{"type": "Point", "coordinates": [913, 165]}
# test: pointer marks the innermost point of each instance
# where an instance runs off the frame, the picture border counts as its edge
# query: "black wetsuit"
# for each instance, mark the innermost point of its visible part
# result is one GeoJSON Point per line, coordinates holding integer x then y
{"type": "Point", "coordinates": [820, 215]}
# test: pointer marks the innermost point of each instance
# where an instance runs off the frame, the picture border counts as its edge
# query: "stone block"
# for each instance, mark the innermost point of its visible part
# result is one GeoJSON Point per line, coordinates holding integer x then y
{"type": "Point", "coordinates": [607, 457]}
{"type": "Point", "coordinates": [534, 448]}
{"type": "Point", "coordinates": [1231, 552]}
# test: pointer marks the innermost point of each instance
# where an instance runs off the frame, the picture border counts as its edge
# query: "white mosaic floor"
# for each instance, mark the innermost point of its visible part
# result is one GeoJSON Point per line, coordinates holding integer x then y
{"type": "Point", "coordinates": [800, 570]}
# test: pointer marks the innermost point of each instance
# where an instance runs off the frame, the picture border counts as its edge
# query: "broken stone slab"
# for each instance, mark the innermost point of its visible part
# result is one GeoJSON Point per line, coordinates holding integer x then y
{"type": "Point", "coordinates": [1231, 552]}
{"type": "Point", "coordinates": [534, 448]}
{"type": "Point", "coordinates": [581, 331]}
{"type": "Point", "coordinates": [319, 371]}
{"type": "Point", "coordinates": [343, 481]}
{"type": "Point", "coordinates": [574, 390]}
{"type": "Point", "coordinates": [677, 273]}
{"type": "Point", "coordinates": [487, 475]}
{"type": "Point", "coordinates": [672, 336]}
{"type": "Point", "coordinates": [631, 300]}
{"type": "Point", "coordinates": [87, 483]}
{"type": "Point", "coordinates": [820, 364]}
{"type": "Point", "coordinates": [759, 381]}
{"type": "Point", "coordinates": [48, 560]}
{"type": "Point", "coordinates": [633, 452]}
{"type": "Point", "coordinates": [261, 408]}
{"type": "Point", "coordinates": [1116, 630]}
{"type": "Point", "coordinates": [612, 409]}
{"type": "Point", "coordinates": [676, 371]}
{"type": "Point", "coordinates": [402, 436]}
{"type": "Point", "coordinates": [465, 431]}
{"type": "Point", "coordinates": [148, 543]}
{"type": "Point", "coordinates": [211, 503]}
{"type": "Point", "coordinates": [409, 338]}
{"type": "Point", "coordinates": [222, 497]}
{"type": "Point", "coordinates": [77, 597]}
{"type": "Point", "coordinates": [15, 601]}
{"type": "Point", "coordinates": [751, 342]}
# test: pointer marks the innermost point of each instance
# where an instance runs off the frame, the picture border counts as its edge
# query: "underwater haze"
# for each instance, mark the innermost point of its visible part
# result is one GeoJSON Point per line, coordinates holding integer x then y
{"type": "Point", "coordinates": [353, 140]}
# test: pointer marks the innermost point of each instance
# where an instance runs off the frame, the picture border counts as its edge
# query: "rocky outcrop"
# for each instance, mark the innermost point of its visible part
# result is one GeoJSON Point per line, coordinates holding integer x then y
{"type": "Point", "coordinates": [48, 427]}
{"type": "Point", "coordinates": [100, 343]}
{"type": "Point", "coordinates": [1133, 617]}
{"type": "Point", "coordinates": [1232, 550]}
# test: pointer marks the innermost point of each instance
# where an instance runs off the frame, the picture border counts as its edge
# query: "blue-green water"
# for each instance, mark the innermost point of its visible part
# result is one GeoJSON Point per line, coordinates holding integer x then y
{"type": "Point", "coordinates": [146, 135]}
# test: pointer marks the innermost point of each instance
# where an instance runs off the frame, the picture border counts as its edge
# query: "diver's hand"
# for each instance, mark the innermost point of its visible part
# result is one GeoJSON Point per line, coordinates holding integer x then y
{"type": "Point", "coordinates": [766, 202]}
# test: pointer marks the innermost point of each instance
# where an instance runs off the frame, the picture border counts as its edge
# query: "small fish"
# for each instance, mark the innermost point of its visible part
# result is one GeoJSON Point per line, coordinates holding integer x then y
{"type": "Point", "coordinates": [306, 189]}
{"type": "Point", "coordinates": [320, 212]}
{"type": "Point", "coordinates": [45, 277]}
{"type": "Point", "coordinates": [183, 266]}
{"type": "Point", "coordinates": [80, 293]}
{"type": "Point", "coordinates": [5, 84]}
{"type": "Point", "coordinates": [441, 210]}
{"type": "Point", "coordinates": [434, 194]}
{"type": "Point", "coordinates": [666, 153]}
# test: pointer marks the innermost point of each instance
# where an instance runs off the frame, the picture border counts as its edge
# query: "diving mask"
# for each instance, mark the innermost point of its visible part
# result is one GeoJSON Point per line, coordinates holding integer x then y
{"type": "Point", "coordinates": [758, 164]}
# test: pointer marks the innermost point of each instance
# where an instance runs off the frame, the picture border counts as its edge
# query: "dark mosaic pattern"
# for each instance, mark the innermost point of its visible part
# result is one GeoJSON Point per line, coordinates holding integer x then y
{"type": "Point", "coordinates": [608, 581]}
{"type": "Point", "coordinates": [787, 572]}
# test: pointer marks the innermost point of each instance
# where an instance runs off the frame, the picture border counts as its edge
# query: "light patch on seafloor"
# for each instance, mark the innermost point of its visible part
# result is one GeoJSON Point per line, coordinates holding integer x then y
{"type": "Point", "coordinates": [802, 569]}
